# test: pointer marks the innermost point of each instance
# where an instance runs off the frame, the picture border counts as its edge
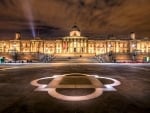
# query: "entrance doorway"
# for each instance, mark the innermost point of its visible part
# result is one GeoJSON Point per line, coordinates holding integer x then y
{"type": "Point", "coordinates": [75, 50]}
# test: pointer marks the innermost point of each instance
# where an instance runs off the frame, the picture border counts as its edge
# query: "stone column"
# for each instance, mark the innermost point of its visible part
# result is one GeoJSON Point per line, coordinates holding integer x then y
{"type": "Point", "coordinates": [117, 47]}
{"type": "Point", "coordinates": [68, 45]}
{"type": "Point", "coordinates": [80, 46]}
{"type": "Point", "coordinates": [84, 46]}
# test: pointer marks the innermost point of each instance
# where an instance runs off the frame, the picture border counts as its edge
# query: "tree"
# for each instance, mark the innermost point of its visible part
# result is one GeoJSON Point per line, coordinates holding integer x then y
{"type": "Point", "coordinates": [15, 56]}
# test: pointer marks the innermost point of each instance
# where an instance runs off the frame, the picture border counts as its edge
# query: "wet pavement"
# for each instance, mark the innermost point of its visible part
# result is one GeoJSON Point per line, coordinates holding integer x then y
{"type": "Point", "coordinates": [17, 95]}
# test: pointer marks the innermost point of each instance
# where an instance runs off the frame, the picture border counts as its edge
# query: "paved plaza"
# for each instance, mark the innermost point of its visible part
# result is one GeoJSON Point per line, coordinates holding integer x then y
{"type": "Point", "coordinates": [19, 95]}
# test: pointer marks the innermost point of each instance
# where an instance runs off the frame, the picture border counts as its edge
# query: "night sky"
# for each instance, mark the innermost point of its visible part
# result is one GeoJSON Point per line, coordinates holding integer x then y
{"type": "Point", "coordinates": [54, 18]}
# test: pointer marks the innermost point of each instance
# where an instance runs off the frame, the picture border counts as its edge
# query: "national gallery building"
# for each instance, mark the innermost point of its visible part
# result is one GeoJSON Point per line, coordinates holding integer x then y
{"type": "Point", "coordinates": [76, 44]}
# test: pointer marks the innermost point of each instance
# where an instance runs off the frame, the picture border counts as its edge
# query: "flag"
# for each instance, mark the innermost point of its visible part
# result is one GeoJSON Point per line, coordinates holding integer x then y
{"type": "Point", "coordinates": [64, 45]}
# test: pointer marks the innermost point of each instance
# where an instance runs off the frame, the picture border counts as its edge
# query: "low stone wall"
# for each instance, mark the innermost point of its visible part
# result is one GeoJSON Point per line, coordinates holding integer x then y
{"type": "Point", "coordinates": [75, 54]}
{"type": "Point", "coordinates": [106, 58]}
{"type": "Point", "coordinates": [123, 57]}
{"type": "Point", "coordinates": [129, 57]}
{"type": "Point", "coordinates": [6, 55]}
{"type": "Point", "coordinates": [20, 56]}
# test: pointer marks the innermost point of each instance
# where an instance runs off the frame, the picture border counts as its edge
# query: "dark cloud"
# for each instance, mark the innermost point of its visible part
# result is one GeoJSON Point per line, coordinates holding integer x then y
{"type": "Point", "coordinates": [94, 17]}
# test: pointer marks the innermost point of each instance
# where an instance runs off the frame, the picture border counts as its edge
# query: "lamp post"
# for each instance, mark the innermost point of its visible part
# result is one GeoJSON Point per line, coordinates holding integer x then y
{"type": "Point", "coordinates": [38, 50]}
{"type": "Point", "coordinates": [133, 52]}
{"type": "Point", "coordinates": [110, 54]}
{"type": "Point", "coordinates": [38, 47]}
{"type": "Point", "coordinates": [15, 55]}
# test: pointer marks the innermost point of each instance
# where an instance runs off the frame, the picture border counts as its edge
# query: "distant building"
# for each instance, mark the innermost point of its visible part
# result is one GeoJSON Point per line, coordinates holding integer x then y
{"type": "Point", "coordinates": [76, 44]}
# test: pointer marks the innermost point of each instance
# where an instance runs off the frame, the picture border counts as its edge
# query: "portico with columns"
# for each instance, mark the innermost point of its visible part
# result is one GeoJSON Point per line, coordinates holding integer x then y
{"type": "Point", "coordinates": [75, 43]}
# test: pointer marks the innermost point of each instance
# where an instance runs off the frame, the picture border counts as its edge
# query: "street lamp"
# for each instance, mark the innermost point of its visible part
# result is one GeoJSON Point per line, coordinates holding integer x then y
{"type": "Point", "coordinates": [15, 55]}
{"type": "Point", "coordinates": [133, 51]}
{"type": "Point", "coordinates": [110, 54]}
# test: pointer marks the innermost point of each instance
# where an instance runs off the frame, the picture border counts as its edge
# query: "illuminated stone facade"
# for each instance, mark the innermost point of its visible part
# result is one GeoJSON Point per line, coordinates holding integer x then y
{"type": "Point", "coordinates": [76, 44]}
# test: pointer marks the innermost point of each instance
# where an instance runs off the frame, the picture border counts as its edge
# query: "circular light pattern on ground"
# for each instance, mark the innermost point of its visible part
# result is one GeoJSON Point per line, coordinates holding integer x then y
{"type": "Point", "coordinates": [74, 81]}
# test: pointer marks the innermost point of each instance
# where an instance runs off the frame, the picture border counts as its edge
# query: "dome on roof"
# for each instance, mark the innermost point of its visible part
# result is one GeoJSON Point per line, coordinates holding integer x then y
{"type": "Point", "coordinates": [75, 31]}
{"type": "Point", "coordinates": [75, 28]}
